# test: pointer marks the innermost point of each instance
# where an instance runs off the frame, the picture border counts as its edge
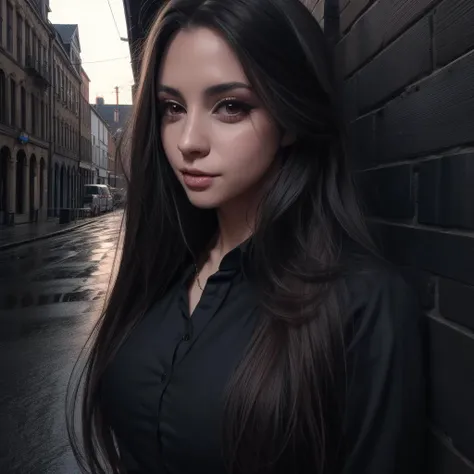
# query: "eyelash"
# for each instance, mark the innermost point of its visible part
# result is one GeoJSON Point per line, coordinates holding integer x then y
{"type": "Point", "coordinates": [243, 107]}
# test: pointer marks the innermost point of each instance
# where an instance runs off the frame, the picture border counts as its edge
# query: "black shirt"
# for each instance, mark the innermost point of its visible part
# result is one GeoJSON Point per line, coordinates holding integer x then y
{"type": "Point", "coordinates": [163, 392]}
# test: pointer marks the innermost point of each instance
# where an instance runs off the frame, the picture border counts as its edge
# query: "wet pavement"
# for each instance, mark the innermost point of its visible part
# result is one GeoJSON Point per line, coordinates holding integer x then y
{"type": "Point", "coordinates": [51, 294]}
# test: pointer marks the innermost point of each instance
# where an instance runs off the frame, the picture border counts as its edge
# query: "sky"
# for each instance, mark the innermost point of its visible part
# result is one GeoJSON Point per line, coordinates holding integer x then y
{"type": "Point", "coordinates": [100, 45]}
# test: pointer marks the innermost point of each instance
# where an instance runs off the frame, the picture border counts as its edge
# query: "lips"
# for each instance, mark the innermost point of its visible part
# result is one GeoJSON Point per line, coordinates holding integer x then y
{"type": "Point", "coordinates": [197, 180]}
{"type": "Point", "coordinates": [193, 172]}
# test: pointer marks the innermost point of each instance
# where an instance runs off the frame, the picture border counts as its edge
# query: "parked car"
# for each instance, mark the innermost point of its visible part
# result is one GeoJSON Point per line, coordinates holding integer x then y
{"type": "Point", "coordinates": [98, 198]}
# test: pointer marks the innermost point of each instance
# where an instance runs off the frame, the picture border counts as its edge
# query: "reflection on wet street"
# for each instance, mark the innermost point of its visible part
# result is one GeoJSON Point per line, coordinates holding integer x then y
{"type": "Point", "coordinates": [51, 293]}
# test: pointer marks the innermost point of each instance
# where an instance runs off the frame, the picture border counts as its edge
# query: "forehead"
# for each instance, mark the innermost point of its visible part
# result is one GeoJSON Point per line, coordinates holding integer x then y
{"type": "Point", "coordinates": [199, 57]}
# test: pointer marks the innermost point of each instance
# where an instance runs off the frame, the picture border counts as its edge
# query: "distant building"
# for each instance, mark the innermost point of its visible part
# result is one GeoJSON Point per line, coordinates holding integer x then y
{"type": "Point", "coordinates": [116, 116]}
{"type": "Point", "coordinates": [64, 184]}
{"type": "Point", "coordinates": [116, 172]}
{"type": "Point", "coordinates": [100, 148]}
{"type": "Point", "coordinates": [86, 169]}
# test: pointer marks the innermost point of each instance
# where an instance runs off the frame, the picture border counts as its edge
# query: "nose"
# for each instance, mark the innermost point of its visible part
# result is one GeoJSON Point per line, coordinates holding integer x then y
{"type": "Point", "coordinates": [194, 142]}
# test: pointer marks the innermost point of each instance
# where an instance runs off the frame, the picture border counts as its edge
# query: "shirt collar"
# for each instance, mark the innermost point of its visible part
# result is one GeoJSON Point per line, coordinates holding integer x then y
{"type": "Point", "coordinates": [237, 258]}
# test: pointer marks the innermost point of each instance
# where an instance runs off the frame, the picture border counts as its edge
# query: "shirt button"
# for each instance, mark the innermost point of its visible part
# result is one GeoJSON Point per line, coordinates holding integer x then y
{"type": "Point", "coordinates": [186, 337]}
{"type": "Point", "coordinates": [163, 377]}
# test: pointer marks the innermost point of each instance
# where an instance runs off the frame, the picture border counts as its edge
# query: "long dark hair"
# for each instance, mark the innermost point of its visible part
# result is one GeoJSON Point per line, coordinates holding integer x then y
{"type": "Point", "coordinates": [285, 401]}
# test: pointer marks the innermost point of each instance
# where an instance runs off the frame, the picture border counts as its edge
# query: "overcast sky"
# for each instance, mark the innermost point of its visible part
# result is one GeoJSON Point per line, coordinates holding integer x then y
{"type": "Point", "coordinates": [100, 45]}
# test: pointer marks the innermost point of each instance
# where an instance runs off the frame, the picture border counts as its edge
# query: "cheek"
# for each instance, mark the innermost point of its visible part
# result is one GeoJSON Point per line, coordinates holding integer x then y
{"type": "Point", "coordinates": [247, 150]}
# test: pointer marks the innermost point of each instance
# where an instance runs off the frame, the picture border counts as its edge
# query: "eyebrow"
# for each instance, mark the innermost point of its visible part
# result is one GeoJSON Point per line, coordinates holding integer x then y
{"type": "Point", "coordinates": [210, 91]}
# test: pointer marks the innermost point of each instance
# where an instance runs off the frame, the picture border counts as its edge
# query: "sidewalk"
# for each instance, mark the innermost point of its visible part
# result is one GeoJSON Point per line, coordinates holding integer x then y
{"type": "Point", "coordinates": [24, 233]}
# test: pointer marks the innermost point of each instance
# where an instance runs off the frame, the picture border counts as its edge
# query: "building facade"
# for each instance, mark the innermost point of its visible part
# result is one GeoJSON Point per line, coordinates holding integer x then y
{"type": "Point", "coordinates": [112, 163]}
{"type": "Point", "coordinates": [25, 132]}
{"type": "Point", "coordinates": [64, 170]}
{"type": "Point", "coordinates": [116, 118]}
{"type": "Point", "coordinates": [116, 171]}
{"type": "Point", "coordinates": [86, 170]}
{"type": "Point", "coordinates": [100, 147]}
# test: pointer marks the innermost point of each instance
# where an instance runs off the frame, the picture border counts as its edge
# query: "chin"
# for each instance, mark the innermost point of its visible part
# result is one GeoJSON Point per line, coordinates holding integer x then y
{"type": "Point", "coordinates": [203, 200]}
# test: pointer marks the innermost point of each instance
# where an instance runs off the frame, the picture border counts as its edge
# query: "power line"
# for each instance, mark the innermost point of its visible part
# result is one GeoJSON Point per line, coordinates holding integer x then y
{"type": "Point", "coordinates": [113, 16]}
{"type": "Point", "coordinates": [101, 61]}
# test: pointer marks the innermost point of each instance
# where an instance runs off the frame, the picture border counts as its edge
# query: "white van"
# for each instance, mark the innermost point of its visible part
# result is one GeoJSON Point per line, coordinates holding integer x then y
{"type": "Point", "coordinates": [98, 198]}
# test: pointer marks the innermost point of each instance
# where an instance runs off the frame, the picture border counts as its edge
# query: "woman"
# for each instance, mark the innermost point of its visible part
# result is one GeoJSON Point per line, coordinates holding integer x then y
{"type": "Point", "coordinates": [249, 329]}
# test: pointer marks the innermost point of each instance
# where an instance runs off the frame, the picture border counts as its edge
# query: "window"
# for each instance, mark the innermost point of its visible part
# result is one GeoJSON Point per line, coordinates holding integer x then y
{"type": "Point", "coordinates": [33, 47]}
{"type": "Point", "coordinates": [45, 61]}
{"type": "Point", "coordinates": [39, 54]}
{"type": "Point", "coordinates": [10, 27]}
{"type": "Point", "coordinates": [23, 108]}
{"type": "Point", "coordinates": [1, 22]}
{"type": "Point", "coordinates": [42, 121]}
{"type": "Point", "coordinates": [3, 97]}
{"type": "Point", "coordinates": [68, 94]}
{"type": "Point", "coordinates": [27, 41]}
{"type": "Point", "coordinates": [89, 190]}
{"type": "Point", "coordinates": [19, 38]}
{"type": "Point", "coordinates": [13, 102]}
{"type": "Point", "coordinates": [58, 85]}
{"type": "Point", "coordinates": [63, 94]}
{"type": "Point", "coordinates": [33, 115]}
{"type": "Point", "coordinates": [47, 123]}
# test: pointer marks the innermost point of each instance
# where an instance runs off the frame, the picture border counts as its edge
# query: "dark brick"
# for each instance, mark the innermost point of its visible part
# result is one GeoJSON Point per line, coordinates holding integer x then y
{"type": "Point", "coordinates": [443, 459]}
{"type": "Point", "coordinates": [456, 302]}
{"type": "Point", "coordinates": [351, 12]}
{"type": "Point", "coordinates": [404, 61]}
{"type": "Point", "coordinates": [437, 114]}
{"type": "Point", "coordinates": [451, 384]}
{"type": "Point", "coordinates": [388, 192]}
{"type": "Point", "coordinates": [380, 25]}
{"type": "Point", "coordinates": [446, 192]}
{"type": "Point", "coordinates": [343, 4]}
{"type": "Point", "coordinates": [361, 134]}
{"type": "Point", "coordinates": [442, 253]}
{"type": "Point", "coordinates": [453, 29]}
{"type": "Point", "coordinates": [424, 283]}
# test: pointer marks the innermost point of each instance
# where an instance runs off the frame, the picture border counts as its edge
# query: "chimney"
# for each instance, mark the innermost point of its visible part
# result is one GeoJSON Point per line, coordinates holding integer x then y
{"type": "Point", "coordinates": [99, 101]}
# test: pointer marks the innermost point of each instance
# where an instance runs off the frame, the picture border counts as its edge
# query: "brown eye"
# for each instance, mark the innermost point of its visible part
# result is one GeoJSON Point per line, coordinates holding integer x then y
{"type": "Point", "coordinates": [233, 107]}
{"type": "Point", "coordinates": [232, 110]}
{"type": "Point", "coordinates": [171, 109]}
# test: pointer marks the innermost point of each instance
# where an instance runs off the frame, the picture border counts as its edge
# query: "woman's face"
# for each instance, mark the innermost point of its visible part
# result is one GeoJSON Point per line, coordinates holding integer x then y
{"type": "Point", "coordinates": [219, 139]}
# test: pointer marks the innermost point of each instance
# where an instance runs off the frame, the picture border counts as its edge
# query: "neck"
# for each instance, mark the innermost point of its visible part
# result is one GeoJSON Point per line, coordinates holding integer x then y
{"type": "Point", "coordinates": [237, 220]}
{"type": "Point", "coordinates": [233, 230]}
{"type": "Point", "coordinates": [236, 225]}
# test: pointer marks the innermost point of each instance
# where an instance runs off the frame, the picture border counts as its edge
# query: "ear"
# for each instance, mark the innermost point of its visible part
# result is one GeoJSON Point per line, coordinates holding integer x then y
{"type": "Point", "coordinates": [287, 139]}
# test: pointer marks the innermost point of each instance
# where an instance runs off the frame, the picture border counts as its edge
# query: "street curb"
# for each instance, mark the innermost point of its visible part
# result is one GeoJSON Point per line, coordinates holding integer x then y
{"type": "Point", "coordinates": [45, 236]}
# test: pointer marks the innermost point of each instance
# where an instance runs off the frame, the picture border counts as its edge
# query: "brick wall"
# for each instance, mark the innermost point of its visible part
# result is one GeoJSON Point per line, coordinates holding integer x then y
{"type": "Point", "coordinates": [408, 69]}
